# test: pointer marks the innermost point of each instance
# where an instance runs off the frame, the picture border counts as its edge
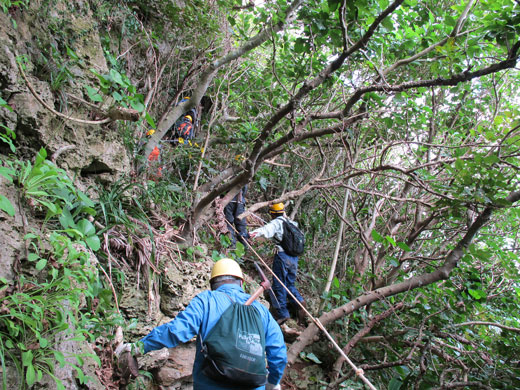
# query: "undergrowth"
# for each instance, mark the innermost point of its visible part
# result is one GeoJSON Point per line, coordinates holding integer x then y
{"type": "Point", "coordinates": [57, 295]}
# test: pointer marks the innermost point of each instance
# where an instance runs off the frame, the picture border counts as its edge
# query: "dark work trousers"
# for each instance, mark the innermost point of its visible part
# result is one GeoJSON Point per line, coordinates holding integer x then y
{"type": "Point", "coordinates": [231, 212]}
{"type": "Point", "coordinates": [286, 268]}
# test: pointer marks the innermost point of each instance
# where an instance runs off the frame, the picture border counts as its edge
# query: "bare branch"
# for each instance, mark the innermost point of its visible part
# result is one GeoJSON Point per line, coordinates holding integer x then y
{"type": "Point", "coordinates": [485, 323]}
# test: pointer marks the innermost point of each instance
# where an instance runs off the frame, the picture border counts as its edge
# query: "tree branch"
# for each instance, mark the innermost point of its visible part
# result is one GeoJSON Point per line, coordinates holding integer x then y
{"type": "Point", "coordinates": [441, 273]}
{"type": "Point", "coordinates": [512, 329]}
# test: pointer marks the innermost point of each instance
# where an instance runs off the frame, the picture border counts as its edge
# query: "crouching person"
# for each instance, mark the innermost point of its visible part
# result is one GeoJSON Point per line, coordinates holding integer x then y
{"type": "Point", "coordinates": [234, 341]}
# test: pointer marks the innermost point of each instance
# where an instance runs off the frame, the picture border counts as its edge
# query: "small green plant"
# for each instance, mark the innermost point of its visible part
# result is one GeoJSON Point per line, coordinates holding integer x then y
{"type": "Point", "coordinates": [120, 88]}
{"type": "Point", "coordinates": [119, 203]}
{"type": "Point", "coordinates": [46, 188]}
{"type": "Point", "coordinates": [38, 312]}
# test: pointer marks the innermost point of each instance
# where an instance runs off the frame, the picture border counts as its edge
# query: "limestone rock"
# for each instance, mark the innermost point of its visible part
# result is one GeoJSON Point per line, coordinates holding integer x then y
{"type": "Point", "coordinates": [182, 282]}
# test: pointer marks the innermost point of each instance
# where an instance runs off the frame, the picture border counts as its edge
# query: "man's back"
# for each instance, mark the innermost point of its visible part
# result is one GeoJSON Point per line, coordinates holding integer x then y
{"type": "Point", "coordinates": [200, 317]}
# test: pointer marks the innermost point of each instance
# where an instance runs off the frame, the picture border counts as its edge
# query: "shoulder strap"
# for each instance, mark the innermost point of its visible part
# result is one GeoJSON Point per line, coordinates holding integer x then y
{"type": "Point", "coordinates": [232, 301]}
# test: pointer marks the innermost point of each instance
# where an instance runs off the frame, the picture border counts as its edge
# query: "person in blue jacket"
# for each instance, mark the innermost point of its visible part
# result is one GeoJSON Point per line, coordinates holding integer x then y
{"type": "Point", "coordinates": [202, 314]}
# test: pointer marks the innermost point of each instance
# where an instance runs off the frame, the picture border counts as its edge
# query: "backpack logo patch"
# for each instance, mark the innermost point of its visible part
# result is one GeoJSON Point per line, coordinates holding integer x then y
{"type": "Point", "coordinates": [249, 342]}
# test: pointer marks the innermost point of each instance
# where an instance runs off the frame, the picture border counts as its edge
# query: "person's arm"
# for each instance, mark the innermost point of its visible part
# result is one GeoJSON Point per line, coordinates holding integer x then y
{"type": "Point", "coordinates": [183, 328]}
{"type": "Point", "coordinates": [275, 351]}
{"type": "Point", "coordinates": [269, 230]}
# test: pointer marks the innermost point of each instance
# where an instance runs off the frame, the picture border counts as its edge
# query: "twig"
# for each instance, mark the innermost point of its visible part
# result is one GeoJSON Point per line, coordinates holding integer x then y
{"type": "Point", "coordinates": [271, 162]}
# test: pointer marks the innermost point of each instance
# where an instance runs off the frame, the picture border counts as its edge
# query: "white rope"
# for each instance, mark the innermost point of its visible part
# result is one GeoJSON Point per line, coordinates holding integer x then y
{"type": "Point", "coordinates": [358, 371]}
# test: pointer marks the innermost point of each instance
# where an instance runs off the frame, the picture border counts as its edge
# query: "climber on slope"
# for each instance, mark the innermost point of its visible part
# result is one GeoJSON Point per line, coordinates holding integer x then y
{"type": "Point", "coordinates": [207, 313]}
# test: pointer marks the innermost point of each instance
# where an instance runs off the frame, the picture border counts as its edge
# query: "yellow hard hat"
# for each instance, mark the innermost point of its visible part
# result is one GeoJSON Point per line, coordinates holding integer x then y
{"type": "Point", "coordinates": [277, 208]}
{"type": "Point", "coordinates": [226, 267]}
{"type": "Point", "coordinates": [189, 117]}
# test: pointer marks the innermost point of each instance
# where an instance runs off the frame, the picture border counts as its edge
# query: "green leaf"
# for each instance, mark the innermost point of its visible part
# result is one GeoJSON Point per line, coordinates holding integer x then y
{"type": "Point", "coordinates": [117, 96]}
{"type": "Point", "coordinates": [459, 164]}
{"type": "Point", "coordinates": [377, 237]}
{"type": "Point", "coordinates": [450, 21]}
{"type": "Point", "coordinates": [32, 257]}
{"type": "Point", "coordinates": [85, 198]}
{"type": "Point", "coordinates": [403, 246]}
{"type": "Point", "coordinates": [6, 205]}
{"type": "Point", "coordinates": [86, 227]}
{"type": "Point", "coordinates": [333, 5]}
{"type": "Point", "coordinates": [335, 282]}
{"type": "Point", "coordinates": [66, 219]}
{"type": "Point", "coordinates": [27, 358]}
{"type": "Point", "coordinates": [40, 157]}
{"type": "Point", "coordinates": [4, 104]}
{"type": "Point", "coordinates": [387, 23]}
{"type": "Point", "coordinates": [30, 376]}
{"type": "Point", "coordinates": [477, 294]}
{"type": "Point", "coordinates": [391, 240]}
{"type": "Point", "coordinates": [116, 76]}
{"type": "Point", "coordinates": [8, 173]}
{"type": "Point", "coordinates": [299, 45]}
{"type": "Point", "coordinates": [137, 105]}
{"type": "Point", "coordinates": [93, 94]}
{"type": "Point", "coordinates": [72, 54]}
{"type": "Point", "coordinates": [93, 243]}
{"type": "Point", "coordinates": [150, 120]}
{"type": "Point", "coordinates": [41, 264]}
{"type": "Point", "coordinates": [395, 384]}
{"type": "Point", "coordinates": [312, 357]}
{"type": "Point", "coordinates": [492, 159]}
{"type": "Point", "coordinates": [43, 342]}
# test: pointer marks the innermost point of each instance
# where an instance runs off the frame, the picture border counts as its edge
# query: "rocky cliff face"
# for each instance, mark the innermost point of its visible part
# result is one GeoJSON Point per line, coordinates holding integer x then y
{"type": "Point", "coordinates": [40, 34]}
{"type": "Point", "coordinates": [85, 151]}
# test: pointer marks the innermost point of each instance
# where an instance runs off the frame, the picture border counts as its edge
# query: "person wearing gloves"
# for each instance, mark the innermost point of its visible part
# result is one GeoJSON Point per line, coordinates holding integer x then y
{"type": "Point", "coordinates": [203, 313]}
{"type": "Point", "coordinates": [285, 267]}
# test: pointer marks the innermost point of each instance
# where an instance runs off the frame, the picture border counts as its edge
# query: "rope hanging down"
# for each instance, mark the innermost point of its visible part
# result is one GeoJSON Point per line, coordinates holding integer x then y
{"type": "Point", "coordinates": [358, 371]}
